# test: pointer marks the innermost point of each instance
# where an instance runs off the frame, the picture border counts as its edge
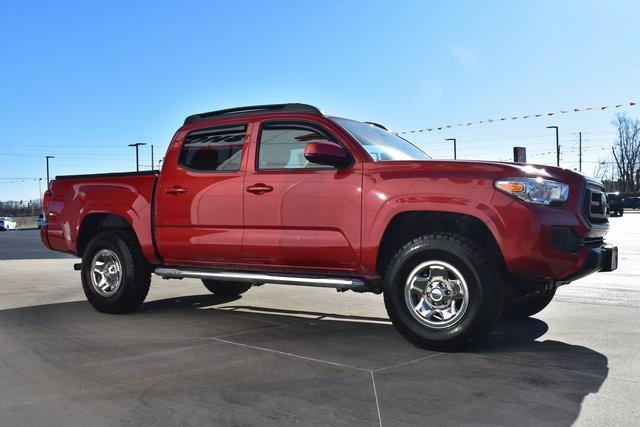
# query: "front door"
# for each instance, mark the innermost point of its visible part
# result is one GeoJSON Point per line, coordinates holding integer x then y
{"type": "Point", "coordinates": [299, 214]}
{"type": "Point", "coordinates": [199, 197]}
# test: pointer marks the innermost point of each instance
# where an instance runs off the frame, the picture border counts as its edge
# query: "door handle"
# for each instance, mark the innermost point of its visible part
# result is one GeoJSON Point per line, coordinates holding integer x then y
{"type": "Point", "coordinates": [175, 190]}
{"type": "Point", "coordinates": [259, 188]}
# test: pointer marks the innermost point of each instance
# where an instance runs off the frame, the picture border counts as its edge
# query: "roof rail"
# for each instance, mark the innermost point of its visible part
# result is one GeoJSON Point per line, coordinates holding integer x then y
{"type": "Point", "coordinates": [255, 109]}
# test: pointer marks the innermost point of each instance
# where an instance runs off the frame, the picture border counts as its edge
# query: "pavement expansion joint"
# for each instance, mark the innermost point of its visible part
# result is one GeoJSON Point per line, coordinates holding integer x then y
{"type": "Point", "coordinates": [407, 362]}
{"type": "Point", "coordinates": [375, 394]}
{"type": "Point", "coordinates": [284, 353]}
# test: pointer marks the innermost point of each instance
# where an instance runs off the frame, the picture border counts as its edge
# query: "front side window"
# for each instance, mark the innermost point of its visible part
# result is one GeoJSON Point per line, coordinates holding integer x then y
{"type": "Point", "coordinates": [382, 145]}
{"type": "Point", "coordinates": [282, 145]}
{"type": "Point", "coordinates": [211, 150]}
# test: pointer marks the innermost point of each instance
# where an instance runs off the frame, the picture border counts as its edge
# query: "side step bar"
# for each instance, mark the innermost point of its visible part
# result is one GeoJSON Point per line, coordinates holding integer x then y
{"type": "Point", "coordinates": [261, 278]}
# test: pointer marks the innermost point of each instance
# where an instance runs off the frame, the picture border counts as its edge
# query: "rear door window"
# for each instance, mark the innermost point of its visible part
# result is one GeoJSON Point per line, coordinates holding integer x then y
{"type": "Point", "coordinates": [214, 150]}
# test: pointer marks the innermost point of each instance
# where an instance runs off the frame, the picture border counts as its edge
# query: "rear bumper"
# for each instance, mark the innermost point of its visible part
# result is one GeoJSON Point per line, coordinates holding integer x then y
{"type": "Point", "coordinates": [604, 258]}
{"type": "Point", "coordinates": [44, 236]}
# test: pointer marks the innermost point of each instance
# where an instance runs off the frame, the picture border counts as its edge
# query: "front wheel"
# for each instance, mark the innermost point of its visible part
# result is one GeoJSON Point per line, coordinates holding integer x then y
{"type": "Point", "coordinates": [115, 275]}
{"type": "Point", "coordinates": [442, 292]}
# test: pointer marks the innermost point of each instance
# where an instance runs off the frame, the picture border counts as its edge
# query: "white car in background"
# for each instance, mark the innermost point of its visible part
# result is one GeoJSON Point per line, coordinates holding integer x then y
{"type": "Point", "coordinates": [40, 221]}
{"type": "Point", "coordinates": [7, 224]}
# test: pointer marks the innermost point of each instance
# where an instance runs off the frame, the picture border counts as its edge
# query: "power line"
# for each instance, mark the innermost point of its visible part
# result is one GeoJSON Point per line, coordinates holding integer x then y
{"type": "Point", "coordinates": [64, 156]}
{"type": "Point", "coordinates": [17, 178]}
{"type": "Point", "coordinates": [18, 181]}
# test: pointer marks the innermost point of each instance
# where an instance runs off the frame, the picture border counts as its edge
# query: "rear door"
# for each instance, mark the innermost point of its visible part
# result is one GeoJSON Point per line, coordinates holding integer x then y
{"type": "Point", "coordinates": [199, 212]}
{"type": "Point", "coordinates": [298, 214]}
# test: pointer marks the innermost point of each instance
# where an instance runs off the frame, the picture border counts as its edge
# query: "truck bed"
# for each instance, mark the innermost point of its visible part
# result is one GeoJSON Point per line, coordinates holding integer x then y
{"type": "Point", "coordinates": [79, 198]}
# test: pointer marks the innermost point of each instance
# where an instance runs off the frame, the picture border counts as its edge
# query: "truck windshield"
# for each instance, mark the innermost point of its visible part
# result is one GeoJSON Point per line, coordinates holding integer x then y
{"type": "Point", "coordinates": [379, 143]}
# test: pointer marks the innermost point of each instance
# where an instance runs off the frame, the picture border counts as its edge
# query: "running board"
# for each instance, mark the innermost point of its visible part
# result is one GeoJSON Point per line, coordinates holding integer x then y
{"type": "Point", "coordinates": [261, 278]}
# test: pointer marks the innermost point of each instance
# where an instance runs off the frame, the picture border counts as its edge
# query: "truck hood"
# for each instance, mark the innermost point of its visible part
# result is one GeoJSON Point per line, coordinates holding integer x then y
{"type": "Point", "coordinates": [488, 169]}
{"type": "Point", "coordinates": [546, 171]}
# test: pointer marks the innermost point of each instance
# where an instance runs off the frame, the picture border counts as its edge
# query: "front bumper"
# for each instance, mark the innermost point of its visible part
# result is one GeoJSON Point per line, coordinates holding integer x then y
{"type": "Point", "coordinates": [604, 258]}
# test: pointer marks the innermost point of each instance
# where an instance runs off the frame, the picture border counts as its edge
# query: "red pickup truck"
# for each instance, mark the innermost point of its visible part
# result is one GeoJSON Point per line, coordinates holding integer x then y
{"type": "Point", "coordinates": [285, 194]}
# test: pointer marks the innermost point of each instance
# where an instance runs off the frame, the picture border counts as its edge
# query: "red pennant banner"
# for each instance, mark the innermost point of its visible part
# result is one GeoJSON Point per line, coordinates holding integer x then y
{"type": "Point", "coordinates": [502, 119]}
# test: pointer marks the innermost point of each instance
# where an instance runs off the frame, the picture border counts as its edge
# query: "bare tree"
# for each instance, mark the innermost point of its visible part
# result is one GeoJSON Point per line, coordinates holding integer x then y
{"type": "Point", "coordinates": [600, 169]}
{"type": "Point", "coordinates": [626, 151]}
{"type": "Point", "coordinates": [605, 170]}
{"type": "Point", "coordinates": [20, 208]}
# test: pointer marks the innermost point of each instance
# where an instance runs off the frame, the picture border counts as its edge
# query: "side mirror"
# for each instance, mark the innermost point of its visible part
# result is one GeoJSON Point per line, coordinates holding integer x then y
{"type": "Point", "coordinates": [326, 153]}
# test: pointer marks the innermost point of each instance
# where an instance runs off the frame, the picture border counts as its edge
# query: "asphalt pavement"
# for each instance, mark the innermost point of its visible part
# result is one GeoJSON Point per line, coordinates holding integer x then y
{"type": "Point", "coordinates": [25, 244]}
{"type": "Point", "coordinates": [283, 355]}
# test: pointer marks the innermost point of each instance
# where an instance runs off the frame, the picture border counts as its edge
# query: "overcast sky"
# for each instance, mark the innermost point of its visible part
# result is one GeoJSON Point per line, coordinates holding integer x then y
{"type": "Point", "coordinates": [81, 80]}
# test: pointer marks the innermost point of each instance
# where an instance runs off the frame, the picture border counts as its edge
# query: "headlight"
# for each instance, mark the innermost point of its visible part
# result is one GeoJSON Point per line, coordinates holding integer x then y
{"type": "Point", "coordinates": [535, 190]}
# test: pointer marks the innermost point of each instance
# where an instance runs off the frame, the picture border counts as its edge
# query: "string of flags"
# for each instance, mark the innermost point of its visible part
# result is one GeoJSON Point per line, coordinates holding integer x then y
{"type": "Point", "coordinates": [544, 153]}
{"type": "Point", "coordinates": [502, 119]}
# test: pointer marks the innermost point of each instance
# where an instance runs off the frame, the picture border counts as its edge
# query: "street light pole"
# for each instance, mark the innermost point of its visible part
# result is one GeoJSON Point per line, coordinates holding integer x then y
{"type": "Point", "coordinates": [48, 157]}
{"type": "Point", "coordinates": [137, 145]}
{"type": "Point", "coordinates": [152, 165]}
{"type": "Point", "coordinates": [557, 144]}
{"type": "Point", "coordinates": [580, 152]}
{"type": "Point", "coordinates": [455, 155]}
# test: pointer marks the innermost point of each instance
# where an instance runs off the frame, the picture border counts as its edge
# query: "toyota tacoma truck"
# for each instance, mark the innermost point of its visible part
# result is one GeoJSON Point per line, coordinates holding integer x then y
{"type": "Point", "coordinates": [284, 194]}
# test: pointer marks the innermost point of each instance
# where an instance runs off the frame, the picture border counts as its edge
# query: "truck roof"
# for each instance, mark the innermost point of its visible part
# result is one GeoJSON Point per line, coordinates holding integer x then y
{"type": "Point", "coordinates": [255, 109]}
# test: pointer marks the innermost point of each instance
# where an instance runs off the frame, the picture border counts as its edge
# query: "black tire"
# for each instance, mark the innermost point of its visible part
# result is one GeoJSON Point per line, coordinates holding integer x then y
{"type": "Point", "coordinates": [226, 289]}
{"type": "Point", "coordinates": [136, 272]}
{"type": "Point", "coordinates": [483, 283]}
{"type": "Point", "coordinates": [528, 307]}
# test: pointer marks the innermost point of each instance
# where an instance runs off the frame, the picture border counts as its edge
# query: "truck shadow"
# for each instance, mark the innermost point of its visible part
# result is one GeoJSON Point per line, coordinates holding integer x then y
{"type": "Point", "coordinates": [513, 377]}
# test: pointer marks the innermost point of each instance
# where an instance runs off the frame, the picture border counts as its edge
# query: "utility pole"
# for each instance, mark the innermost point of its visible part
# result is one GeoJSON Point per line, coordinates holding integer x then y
{"type": "Point", "coordinates": [580, 151]}
{"type": "Point", "coordinates": [455, 155]}
{"type": "Point", "coordinates": [152, 165]}
{"type": "Point", "coordinates": [40, 188]}
{"type": "Point", "coordinates": [48, 157]}
{"type": "Point", "coordinates": [137, 145]}
{"type": "Point", "coordinates": [557, 144]}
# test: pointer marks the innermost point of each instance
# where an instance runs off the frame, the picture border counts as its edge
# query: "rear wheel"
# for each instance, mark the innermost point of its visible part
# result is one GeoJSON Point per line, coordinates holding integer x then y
{"type": "Point", "coordinates": [115, 275]}
{"type": "Point", "coordinates": [226, 288]}
{"type": "Point", "coordinates": [442, 292]}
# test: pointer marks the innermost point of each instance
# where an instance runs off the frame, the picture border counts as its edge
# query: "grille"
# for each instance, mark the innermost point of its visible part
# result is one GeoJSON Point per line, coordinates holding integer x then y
{"type": "Point", "coordinates": [595, 204]}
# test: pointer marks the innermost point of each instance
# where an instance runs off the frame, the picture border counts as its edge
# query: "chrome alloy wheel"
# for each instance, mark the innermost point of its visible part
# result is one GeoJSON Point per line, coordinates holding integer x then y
{"type": "Point", "coordinates": [106, 272]}
{"type": "Point", "coordinates": [436, 294]}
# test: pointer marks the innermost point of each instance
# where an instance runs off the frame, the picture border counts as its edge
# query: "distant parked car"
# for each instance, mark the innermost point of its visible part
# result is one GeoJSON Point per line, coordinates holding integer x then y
{"type": "Point", "coordinates": [632, 202]}
{"type": "Point", "coordinates": [7, 224]}
{"type": "Point", "coordinates": [40, 221]}
{"type": "Point", "coordinates": [616, 204]}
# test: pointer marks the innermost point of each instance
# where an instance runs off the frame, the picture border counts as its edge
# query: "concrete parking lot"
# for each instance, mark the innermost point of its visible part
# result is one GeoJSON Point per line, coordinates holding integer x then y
{"type": "Point", "coordinates": [284, 355]}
